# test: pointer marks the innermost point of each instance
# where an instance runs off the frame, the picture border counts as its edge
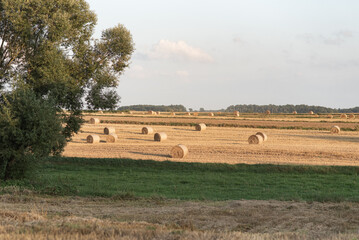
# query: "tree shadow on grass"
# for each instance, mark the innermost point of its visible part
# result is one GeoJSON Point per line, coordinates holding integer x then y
{"type": "Point", "coordinates": [152, 154]}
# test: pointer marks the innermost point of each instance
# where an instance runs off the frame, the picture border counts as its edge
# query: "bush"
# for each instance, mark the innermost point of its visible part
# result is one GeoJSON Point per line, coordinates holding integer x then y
{"type": "Point", "coordinates": [30, 130]}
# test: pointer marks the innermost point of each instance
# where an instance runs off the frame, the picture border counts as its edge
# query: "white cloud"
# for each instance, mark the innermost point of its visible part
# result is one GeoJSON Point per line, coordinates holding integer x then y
{"type": "Point", "coordinates": [180, 50]}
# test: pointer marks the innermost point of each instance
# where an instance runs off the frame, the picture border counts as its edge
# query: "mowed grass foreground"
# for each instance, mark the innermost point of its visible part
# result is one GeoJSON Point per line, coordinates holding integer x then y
{"type": "Point", "coordinates": [125, 178]}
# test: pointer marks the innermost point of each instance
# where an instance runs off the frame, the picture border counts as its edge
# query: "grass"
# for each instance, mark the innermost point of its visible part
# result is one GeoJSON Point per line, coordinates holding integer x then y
{"type": "Point", "coordinates": [131, 179]}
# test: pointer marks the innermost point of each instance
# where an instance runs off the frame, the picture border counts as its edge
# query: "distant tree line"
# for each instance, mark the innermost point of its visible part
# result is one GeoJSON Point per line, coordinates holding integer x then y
{"type": "Point", "coordinates": [252, 108]}
{"type": "Point", "coordinates": [160, 108]}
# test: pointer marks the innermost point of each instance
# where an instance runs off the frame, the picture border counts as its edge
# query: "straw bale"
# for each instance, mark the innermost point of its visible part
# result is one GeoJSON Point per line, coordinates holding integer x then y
{"type": "Point", "coordinates": [160, 136]}
{"type": "Point", "coordinates": [147, 130]}
{"type": "Point", "coordinates": [94, 121]}
{"type": "Point", "coordinates": [111, 138]}
{"type": "Point", "coordinates": [255, 139]}
{"type": "Point", "coordinates": [179, 151]}
{"type": "Point", "coordinates": [264, 136]}
{"type": "Point", "coordinates": [335, 129]}
{"type": "Point", "coordinates": [200, 127]}
{"type": "Point", "coordinates": [93, 138]}
{"type": "Point", "coordinates": [109, 130]}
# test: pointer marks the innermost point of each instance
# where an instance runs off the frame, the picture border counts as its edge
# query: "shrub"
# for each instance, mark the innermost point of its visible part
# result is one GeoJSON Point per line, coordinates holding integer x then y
{"type": "Point", "coordinates": [30, 130]}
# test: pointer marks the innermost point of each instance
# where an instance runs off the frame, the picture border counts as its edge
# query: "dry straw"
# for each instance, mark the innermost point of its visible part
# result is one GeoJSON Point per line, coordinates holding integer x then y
{"type": "Point", "coordinates": [147, 130]}
{"type": "Point", "coordinates": [200, 127]}
{"type": "Point", "coordinates": [109, 130]}
{"type": "Point", "coordinates": [160, 137]}
{"type": "Point", "coordinates": [179, 151]}
{"type": "Point", "coordinates": [335, 129]}
{"type": "Point", "coordinates": [344, 116]}
{"type": "Point", "coordinates": [351, 116]}
{"type": "Point", "coordinates": [93, 138]}
{"type": "Point", "coordinates": [111, 138]}
{"type": "Point", "coordinates": [255, 139]}
{"type": "Point", "coordinates": [94, 121]}
{"type": "Point", "coordinates": [264, 136]}
{"type": "Point", "coordinates": [195, 114]}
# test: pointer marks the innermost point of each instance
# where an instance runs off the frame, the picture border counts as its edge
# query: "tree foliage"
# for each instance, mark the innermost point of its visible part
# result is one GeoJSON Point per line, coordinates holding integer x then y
{"type": "Point", "coordinates": [29, 130]}
{"type": "Point", "coordinates": [47, 45]}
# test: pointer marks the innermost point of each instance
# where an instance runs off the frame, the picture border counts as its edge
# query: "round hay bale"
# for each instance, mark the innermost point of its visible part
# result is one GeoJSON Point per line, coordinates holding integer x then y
{"type": "Point", "coordinates": [294, 112]}
{"type": "Point", "coordinates": [100, 112]}
{"type": "Point", "coordinates": [330, 116]}
{"type": "Point", "coordinates": [179, 151]}
{"type": "Point", "coordinates": [195, 114]}
{"type": "Point", "coordinates": [211, 114]}
{"type": "Point", "coordinates": [94, 121]}
{"type": "Point", "coordinates": [335, 129]}
{"type": "Point", "coordinates": [158, 113]}
{"type": "Point", "coordinates": [188, 114]}
{"type": "Point", "coordinates": [236, 113]}
{"type": "Point", "coordinates": [109, 130]}
{"type": "Point", "coordinates": [311, 112]}
{"type": "Point", "coordinates": [130, 112]}
{"type": "Point", "coordinates": [264, 136]}
{"type": "Point", "coordinates": [160, 136]}
{"type": "Point", "coordinates": [147, 130]}
{"type": "Point", "coordinates": [201, 127]}
{"type": "Point", "coordinates": [151, 112]}
{"type": "Point", "coordinates": [255, 139]}
{"type": "Point", "coordinates": [344, 116]}
{"type": "Point", "coordinates": [93, 138]}
{"type": "Point", "coordinates": [351, 116]}
{"type": "Point", "coordinates": [267, 112]}
{"type": "Point", "coordinates": [316, 115]}
{"type": "Point", "coordinates": [111, 138]}
{"type": "Point", "coordinates": [173, 114]}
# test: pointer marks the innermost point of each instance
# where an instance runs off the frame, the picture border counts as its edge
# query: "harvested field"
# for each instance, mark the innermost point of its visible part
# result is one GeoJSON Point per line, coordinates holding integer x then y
{"type": "Point", "coordinates": [231, 122]}
{"type": "Point", "coordinates": [27, 216]}
{"type": "Point", "coordinates": [222, 145]}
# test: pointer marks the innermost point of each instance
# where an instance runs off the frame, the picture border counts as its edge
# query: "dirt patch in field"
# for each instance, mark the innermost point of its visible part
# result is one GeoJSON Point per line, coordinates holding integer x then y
{"type": "Point", "coordinates": [172, 219]}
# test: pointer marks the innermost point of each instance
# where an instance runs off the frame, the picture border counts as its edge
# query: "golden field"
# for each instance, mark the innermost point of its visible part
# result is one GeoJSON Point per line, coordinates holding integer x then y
{"type": "Point", "coordinates": [220, 144]}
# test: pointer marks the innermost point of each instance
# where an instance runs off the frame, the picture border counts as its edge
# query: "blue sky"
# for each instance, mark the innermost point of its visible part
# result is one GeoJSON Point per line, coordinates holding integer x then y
{"type": "Point", "coordinates": [213, 54]}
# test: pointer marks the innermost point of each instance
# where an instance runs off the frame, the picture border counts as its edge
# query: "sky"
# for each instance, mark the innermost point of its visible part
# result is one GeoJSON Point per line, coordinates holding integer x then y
{"type": "Point", "coordinates": [213, 54]}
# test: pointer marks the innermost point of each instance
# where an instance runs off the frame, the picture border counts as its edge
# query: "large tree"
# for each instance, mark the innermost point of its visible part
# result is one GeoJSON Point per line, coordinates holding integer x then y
{"type": "Point", "coordinates": [47, 45]}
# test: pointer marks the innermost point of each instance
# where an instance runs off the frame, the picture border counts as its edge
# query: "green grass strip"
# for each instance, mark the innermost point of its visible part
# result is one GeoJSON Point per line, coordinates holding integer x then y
{"type": "Point", "coordinates": [125, 178]}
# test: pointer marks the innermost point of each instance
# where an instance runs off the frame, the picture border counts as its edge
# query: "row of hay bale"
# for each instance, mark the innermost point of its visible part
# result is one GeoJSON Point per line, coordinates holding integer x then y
{"type": "Point", "coordinates": [178, 151]}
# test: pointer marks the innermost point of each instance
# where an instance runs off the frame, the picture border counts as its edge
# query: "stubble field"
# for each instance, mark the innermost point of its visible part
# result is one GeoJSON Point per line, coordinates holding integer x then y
{"type": "Point", "coordinates": [221, 144]}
